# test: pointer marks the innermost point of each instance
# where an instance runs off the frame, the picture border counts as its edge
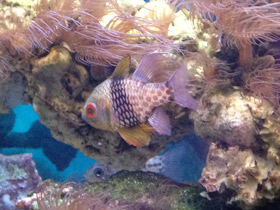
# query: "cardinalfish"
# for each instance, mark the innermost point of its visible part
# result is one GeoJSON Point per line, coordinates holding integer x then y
{"type": "Point", "coordinates": [131, 105]}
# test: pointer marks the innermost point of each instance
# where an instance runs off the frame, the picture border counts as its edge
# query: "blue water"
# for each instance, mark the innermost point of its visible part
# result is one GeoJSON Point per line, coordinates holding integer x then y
{"type": "Point", "coordinates": [25, 117]}
{"type": "Point", "coordinates": [28, 135]}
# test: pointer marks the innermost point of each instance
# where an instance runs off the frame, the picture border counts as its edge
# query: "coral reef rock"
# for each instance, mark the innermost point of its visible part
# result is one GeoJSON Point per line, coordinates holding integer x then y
{"type": "Point", "coordinates": [124, 190]}
{"type": "Point", "coordinates": [18, 177]}
{"type": "Point", "coordinates": [243, 133]}
{"type": "Point", "coordinates": [13, 92]}
{"type": "Point", "coordinates": [252, 177]}
{"type": "Point", "coordinates": [225, 117]}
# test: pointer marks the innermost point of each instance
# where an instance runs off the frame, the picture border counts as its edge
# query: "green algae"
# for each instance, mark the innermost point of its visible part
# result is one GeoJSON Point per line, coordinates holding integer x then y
{"type": "Point", "coordinates": [125, 186]}
{"type": "Point", "coordinates": [157, 191]}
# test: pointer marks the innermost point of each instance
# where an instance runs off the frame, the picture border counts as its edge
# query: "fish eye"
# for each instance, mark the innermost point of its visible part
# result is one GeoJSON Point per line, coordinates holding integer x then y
{"type": "Point", "coordinates": [90, 110]}
{"type": "Point", "coordinates": [98, 172]}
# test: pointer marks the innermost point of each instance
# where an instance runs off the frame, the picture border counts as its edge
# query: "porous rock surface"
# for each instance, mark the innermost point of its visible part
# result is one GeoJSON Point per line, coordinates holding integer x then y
{"type": "Point", "coordinates": [18, 176]}
{"type": "Point", "coordinates": [243, 134]}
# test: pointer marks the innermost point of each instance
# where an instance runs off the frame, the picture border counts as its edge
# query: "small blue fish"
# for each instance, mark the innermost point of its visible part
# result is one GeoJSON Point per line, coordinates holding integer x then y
{"type": "Point", "coordinates": [126, 104]}
{"type": "Point", "coordinates": [181, 161]}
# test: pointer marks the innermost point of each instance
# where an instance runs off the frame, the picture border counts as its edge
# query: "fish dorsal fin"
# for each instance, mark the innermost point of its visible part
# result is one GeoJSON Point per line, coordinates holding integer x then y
{"type": "Point", "coordinates": [122, 68]}
{"type": "Point", "coordinates": [135, 136]}
{"type": "Point", "coordinates": [146, 69]}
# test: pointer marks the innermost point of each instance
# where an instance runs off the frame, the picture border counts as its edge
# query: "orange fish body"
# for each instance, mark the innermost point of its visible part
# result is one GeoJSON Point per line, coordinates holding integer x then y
{"type": "Point", "coordinates": [125, 104]}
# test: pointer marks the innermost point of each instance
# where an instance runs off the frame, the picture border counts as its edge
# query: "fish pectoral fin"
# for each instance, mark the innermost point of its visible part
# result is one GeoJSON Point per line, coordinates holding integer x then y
{"type": "Point", "coordinates": [135, 136]}
{"type": "Point", "coordinates": [108, 110]}
{"type": "Point", "coordinates": [122, 68]}
{"type": "Point", "coordinates": [160, 121]}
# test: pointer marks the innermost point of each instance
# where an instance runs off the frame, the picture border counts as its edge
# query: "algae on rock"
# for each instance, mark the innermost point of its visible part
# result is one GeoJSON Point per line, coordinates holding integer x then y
{"type": "Point", "coordinates": [124, 190]}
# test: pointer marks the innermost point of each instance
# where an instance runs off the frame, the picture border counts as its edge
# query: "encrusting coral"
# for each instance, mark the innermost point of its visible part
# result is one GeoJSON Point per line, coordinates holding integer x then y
{"type": "Point", "coordinates": [244, 150]}
{"type": "Point", "coordinates": [64, 49]}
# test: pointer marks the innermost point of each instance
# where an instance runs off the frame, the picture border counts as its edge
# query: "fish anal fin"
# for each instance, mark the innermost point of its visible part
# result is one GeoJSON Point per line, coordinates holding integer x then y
{"type": "Point", "coordinates": [135, 136]}
{"type": "Point", "coordinates": [122, 68]}
{"type": "Point", "coordinates": [147, 128]}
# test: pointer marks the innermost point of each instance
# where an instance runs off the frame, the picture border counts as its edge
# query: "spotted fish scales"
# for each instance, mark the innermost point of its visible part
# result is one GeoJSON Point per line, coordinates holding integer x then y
{"type": "Point", "coordinates": [133, 101]}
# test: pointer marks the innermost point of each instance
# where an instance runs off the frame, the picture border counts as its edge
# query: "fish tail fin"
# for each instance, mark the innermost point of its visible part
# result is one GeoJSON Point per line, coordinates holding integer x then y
{"type": "Point", "coordinates": [177, 83]}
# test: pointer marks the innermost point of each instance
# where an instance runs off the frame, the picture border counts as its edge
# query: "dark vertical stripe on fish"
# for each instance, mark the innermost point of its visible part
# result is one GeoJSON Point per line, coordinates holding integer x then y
{"type": "Point", "coordinates": [121, 103]}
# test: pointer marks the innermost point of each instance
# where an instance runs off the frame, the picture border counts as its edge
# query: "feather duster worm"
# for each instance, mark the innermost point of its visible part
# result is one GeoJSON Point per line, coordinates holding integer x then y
{"type": "Point", "coordinates": [96, 44]}
{"type": "Point", "coordinates": [264, 83]}
{"type": "Point", "coordinates": [246, 21]}
{"type": "Point", "coordinates": [80, 27]}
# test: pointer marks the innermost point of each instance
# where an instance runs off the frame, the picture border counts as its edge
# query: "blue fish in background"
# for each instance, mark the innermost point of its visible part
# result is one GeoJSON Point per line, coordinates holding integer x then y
{"type": "Point", "coordinates": [181, 161]}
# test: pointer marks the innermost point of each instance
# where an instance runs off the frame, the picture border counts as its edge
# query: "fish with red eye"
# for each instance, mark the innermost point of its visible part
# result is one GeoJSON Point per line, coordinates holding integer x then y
{"type": "Point", "coordinates": [131, 105]}
{"type": "Point", "coordinates": [90, 110]}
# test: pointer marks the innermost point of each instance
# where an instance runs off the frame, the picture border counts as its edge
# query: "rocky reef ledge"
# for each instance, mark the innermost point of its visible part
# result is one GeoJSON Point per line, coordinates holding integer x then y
{"type": "Point", "coordinates": [124, 190]}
